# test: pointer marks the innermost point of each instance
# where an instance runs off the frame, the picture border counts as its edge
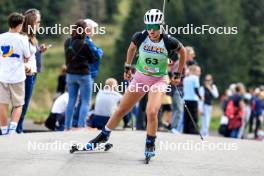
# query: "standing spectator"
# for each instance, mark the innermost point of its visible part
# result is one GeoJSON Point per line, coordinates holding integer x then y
{"type": "Point", "coordinates": [261, 96]}
{"type": "Point", "coordinates": [223, 129]}
{"type": "Point", "coordinates": [14, 52]}
{"type": "Point", "coordinates": [78, 57]}
{"type": "Point", "coordinates": [105, 104]}
{"type": "Point", "coordinates": [190, 56]}
{"type": "Point", "coordinates": [177, 101]}
{"type": "Point", "coordinates": [93, 67]}
{"type": "Point", "coordinates": [191, 97]}
{"type": "Point", "coordinates": [30, 27]}
{"type": "Point", "coordinates": [256, 112]}
{"type": "Point", "coordinates": [209, 92]}
{"type": "Point", "coordinates": [235, 111]}
{"type": "Point", "coordinates": [97, 52]}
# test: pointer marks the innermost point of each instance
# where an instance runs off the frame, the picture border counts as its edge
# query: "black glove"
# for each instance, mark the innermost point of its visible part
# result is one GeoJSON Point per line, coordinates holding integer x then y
{"type": "Point", "coordinates": [176, 75]}
{"type": "Point", "coordinates": [127, 69]}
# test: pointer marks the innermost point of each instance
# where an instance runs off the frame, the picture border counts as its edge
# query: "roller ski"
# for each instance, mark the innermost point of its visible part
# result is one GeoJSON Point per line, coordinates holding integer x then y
{"type": "Point", "coordinates": [149, 148]}
{"type": "Point", "coordinates": [97, 144]}
{"type": "Point", "coordinates": [149, 153]}
{"type": "Point", "coordinates": [90, 148]}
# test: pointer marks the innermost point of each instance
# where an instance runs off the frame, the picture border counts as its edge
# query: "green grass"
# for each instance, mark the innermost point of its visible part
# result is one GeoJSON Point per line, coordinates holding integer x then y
{"type": "Point", "coordinates": [215, 118]}
{"type": "Point", "coordinates": [215, 123]}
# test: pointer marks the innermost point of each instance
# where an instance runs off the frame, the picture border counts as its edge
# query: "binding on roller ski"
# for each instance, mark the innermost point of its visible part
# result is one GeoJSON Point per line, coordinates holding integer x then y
{"type": "Point", "coordinates": [101, 147]}
{"type": "Point", "coordinates": [97, 144]}
{"type": "Point", "coordinates": [154, 49]}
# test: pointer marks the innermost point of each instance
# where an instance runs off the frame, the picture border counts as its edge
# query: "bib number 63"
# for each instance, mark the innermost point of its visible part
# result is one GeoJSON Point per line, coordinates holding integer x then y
{"type": "Point", "coordinates": [152, 61]}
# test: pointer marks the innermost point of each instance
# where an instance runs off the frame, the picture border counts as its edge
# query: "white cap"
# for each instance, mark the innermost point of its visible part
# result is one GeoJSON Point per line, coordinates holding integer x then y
{"type": "Point", "coordinates": [247, 96]}
{"type": "Point", "coordinates": [91, 23]}
{"type": "Point", "coordinates": [257, 91]}
{"type": "Point", "coordinates": [232, 88]}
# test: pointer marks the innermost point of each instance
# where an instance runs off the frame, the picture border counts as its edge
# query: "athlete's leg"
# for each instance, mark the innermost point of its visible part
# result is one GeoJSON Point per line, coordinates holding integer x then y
{"type": "Point", "coordinates": [127, 103]}
{"type": "Point", "coordinates": [153, 106]}
{"type": "Point", "coordinates": [155, 96]}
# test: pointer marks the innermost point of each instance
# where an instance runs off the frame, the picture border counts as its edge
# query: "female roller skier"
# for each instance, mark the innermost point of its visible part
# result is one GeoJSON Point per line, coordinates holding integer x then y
{"type": "Point", "coordinates": [151, 76]}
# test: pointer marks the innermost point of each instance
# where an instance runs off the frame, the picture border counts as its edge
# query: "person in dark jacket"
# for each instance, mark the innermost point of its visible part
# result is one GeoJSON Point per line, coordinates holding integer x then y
{"type": "Point", "coordinates": [78, 57]}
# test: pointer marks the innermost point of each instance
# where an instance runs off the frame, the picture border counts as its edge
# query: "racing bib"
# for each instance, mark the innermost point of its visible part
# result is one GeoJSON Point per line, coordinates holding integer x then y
{"type": "Point", "coordinates": [153, 58]}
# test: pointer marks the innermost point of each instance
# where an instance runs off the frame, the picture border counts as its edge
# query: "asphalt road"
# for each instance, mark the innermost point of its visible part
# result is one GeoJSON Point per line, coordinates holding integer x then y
{"type": "Point", "coordinates": [48, 154]}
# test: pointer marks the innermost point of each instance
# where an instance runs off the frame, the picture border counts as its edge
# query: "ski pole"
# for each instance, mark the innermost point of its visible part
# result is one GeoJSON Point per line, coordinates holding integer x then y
{"type": "Point", "coordinates": [132, 122]}
{"type": "Point", "coordinates": [163, 9]}
{"type": "Point", "coordinates": [189, 113]}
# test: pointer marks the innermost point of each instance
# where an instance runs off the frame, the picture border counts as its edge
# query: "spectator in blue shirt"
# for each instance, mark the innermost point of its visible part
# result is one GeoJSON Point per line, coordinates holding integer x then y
{"type": "Point", "coordinates": [191, 97]}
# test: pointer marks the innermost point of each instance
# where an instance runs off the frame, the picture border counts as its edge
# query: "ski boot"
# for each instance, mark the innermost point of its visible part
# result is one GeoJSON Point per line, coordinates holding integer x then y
{"type": "Point", "coordinates": [95, 143]}
{"type": "Point", "coordinates": [149, 152]}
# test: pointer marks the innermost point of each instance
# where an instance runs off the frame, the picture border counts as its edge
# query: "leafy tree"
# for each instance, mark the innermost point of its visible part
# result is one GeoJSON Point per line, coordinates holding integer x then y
{"type": "Point", "coordinates": [254, 39]}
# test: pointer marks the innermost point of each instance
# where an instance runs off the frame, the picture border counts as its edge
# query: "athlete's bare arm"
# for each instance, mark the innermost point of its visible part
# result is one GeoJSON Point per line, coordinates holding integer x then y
{"type": "Point", "coordinates": [130, 55]}
{"type": "Point", "coordinates": [131, 51]}
{"type": "Point", "coordinates": [182, 62]}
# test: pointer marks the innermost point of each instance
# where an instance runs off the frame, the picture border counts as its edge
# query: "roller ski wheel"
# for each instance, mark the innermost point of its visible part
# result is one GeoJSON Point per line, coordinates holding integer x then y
{"type": "Point", "coordinates": [74, 148]}
{"type": "Point", "coordinates": [148, 156]}
{"type": "Point", "coordinates": [108, 146]}
{"type": "Point", "coordinates": [147, 159]}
